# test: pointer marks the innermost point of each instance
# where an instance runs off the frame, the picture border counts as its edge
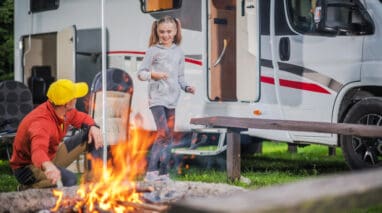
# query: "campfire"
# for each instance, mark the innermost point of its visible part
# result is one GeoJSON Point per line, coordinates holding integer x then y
{"type": "Point", "coordinates": [114, 188]}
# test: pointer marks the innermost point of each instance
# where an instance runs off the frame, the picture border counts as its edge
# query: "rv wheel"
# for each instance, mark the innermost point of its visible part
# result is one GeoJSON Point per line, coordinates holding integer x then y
{"type": "Point", "coordinates": [363, 152]}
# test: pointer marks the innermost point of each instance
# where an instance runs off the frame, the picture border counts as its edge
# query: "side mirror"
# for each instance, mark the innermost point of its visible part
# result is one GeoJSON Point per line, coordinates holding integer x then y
{"type": "Point", "coordinates": [320, 18]}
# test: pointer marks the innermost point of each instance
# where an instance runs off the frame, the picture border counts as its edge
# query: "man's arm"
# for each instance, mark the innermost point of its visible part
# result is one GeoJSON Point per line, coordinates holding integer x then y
{"type": "Point", "coordinates": [51, 171]}
{"type": "Point", "coordinates": [77, 119]}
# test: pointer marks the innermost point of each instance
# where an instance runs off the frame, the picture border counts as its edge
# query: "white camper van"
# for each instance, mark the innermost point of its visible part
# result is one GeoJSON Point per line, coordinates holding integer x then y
{"type": "Point", "coordinates": [308, 60]}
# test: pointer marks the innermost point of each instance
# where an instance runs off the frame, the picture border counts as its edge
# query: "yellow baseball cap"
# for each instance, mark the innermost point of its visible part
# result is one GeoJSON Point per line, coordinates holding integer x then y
{"type": "Point", "coordinates": [62, 91]}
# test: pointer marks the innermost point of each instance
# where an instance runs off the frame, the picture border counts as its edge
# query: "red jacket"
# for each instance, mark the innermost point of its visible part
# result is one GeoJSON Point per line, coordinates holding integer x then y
{"type": "Point", "coordinates": [40, 133]}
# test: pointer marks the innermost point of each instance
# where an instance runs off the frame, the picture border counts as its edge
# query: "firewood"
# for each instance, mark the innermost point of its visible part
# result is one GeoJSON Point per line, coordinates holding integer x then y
{"type": "Point", "coordinates": [144, 206]}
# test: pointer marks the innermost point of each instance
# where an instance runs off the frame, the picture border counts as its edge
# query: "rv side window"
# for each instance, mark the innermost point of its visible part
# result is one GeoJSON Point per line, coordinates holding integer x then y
{"type": "Point", "coordinates": [301, 15]}
{"type": "Point", "coordinates": [149, 6]}
{"type": "Point", "coordinates": [340, 17]}
{"type": "Point", "coordinates": [346, 18]}
{"type": "Point", "coordinates": [43, 5]}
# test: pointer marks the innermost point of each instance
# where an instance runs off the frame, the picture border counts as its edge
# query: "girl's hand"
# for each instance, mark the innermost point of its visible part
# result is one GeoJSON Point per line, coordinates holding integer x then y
{"type": "Point", "coordinates": [190, 89]}
{"type": "Point", "coordinates": [159, 75]}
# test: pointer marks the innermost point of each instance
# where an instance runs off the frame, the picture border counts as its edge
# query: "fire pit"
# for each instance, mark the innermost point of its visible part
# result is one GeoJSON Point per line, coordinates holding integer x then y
{"type": "Point", "coordinates": [156, 197]}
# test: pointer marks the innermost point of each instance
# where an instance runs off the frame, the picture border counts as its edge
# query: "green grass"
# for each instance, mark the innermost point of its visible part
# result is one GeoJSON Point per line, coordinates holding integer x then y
{"type": "Point", "coordinates": [277, 166]}
{"type": "Point", "coordinates": [274, 166]}
{"type": "Point", "coordinates": [7, 180]}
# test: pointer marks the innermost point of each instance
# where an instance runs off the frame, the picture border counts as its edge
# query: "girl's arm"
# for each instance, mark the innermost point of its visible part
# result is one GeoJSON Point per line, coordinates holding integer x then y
{"type": "Point", "coordinates": [144, 73]}
{"type": "Point", "coordinates": [181, 80]}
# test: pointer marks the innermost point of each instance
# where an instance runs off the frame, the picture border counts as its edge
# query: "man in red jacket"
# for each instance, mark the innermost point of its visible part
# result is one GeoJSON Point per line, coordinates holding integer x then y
{"type": "Point", "coordinates": [39, 158]}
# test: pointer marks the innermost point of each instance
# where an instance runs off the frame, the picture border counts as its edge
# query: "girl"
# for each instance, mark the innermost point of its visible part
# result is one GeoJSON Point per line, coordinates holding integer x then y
{"type": "Point", "coordinates": [163, 67]}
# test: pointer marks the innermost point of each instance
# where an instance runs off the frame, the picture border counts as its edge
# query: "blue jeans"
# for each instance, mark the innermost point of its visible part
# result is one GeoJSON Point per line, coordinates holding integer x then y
{"type": "Point", "coordinates": [161, 150]}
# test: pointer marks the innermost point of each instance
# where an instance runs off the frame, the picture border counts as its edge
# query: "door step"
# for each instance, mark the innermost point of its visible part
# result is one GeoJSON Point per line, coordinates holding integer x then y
{"type": "Point", "coordinates": [205, 142]}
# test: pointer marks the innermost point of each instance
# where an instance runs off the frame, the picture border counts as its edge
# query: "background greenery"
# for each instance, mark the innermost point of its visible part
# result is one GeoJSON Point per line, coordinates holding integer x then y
{"type": "Point", "coordinates": [6, 39]}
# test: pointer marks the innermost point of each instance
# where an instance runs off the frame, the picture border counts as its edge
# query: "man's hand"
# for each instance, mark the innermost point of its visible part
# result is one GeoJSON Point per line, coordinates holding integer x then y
{"type": "Point", "coordinates": [95, 136]}
{"type": "Point", "coordinates": [51, 171]}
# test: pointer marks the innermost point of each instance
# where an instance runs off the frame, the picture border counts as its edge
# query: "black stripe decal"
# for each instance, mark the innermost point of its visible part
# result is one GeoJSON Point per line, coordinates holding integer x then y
{"type": "Point", "coordinates": [306, 73]}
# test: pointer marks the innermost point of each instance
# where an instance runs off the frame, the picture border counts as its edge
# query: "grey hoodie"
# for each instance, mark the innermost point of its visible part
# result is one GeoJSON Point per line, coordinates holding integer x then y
{"type": "Point", "coordinates": [164, 59]}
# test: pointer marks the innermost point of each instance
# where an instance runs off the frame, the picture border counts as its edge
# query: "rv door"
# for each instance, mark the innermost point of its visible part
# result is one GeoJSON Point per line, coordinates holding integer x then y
{"type": "Point", "coordinates": [247, 57]}
{"type": "Point", "coordinates": [66, 47]}
{"type": "Point", "coordinates": [222, 50]}
{"type": "Point", "coordinates": [233, 50]}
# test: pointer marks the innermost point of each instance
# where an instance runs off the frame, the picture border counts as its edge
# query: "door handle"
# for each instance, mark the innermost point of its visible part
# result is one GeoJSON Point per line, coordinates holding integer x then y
{"type": "Point", "coordinates": [222, 53]}
{"type": "Point", "coordinates": [284, 49]}
{"type": "Point", "coordinates": [242, 7]}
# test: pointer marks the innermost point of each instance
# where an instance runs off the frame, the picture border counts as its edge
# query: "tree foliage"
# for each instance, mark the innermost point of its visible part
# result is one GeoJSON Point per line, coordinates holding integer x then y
{"type": "Point", "coordinates": [6, 39]}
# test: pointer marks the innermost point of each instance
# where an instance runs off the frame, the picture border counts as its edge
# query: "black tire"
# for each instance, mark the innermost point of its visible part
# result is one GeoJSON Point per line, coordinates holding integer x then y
{"type": "Point", "coordinates": [363, 152]}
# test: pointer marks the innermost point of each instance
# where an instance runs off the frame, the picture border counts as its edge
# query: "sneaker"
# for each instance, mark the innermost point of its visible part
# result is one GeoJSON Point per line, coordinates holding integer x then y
{"type": "Point", "coordinates": [151, 176]}
{"type": "Point", "coordinates": [154, 176]}
{"type": "Point", "coordinates": [164, 178]}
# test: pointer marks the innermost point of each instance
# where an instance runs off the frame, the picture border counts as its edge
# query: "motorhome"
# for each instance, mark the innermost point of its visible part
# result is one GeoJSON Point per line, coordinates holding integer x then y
{"type": "Point", "coordinates": [308, 60]}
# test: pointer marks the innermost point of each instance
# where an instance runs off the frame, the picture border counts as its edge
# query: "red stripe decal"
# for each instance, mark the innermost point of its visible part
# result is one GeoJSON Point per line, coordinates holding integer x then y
{"type": "Point", "coordinates": [126, 52]}
{"type": "Point", "coordinates": [194, 61]}
{"type": "Point", "coordinates": [296, 85]}
{"type": "Point", "coordinates": [267, 80]}
{"type": "Point", "coordinates": [188, 60]}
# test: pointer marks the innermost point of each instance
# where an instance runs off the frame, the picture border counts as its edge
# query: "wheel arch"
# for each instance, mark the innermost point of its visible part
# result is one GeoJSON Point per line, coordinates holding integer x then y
{"type": "Point", "coordinates": [353, 96]}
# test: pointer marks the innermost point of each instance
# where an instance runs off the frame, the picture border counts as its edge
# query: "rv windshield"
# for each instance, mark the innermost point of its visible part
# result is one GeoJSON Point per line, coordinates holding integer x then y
{"type": "Point", "coordinates": [159, 5]}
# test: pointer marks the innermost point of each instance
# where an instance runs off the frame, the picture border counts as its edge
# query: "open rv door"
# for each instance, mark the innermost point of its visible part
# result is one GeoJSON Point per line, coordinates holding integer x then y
{"type": "Point", "coordinates": [222, 50]}
{"type": "Point", "coordinates": [70, 54]}
{"type": "Point", "coordinates": [66, 47]}
{"type": "Point", "coordinates": [233, 50]}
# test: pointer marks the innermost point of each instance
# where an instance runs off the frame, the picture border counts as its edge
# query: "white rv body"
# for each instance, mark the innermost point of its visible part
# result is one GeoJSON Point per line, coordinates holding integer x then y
{"type": "Point", "coordinates": [319, 79]}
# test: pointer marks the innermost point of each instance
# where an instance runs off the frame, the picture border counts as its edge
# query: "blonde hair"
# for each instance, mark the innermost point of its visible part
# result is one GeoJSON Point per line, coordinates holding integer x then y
{"type": "Point", "coordinates": [154, 39]}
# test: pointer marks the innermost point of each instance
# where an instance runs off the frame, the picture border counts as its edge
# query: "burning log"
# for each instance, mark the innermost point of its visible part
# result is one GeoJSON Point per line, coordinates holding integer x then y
{"type": "Point", "coordinates": [145, 206]}
{"type": "Point", "coordinates": [137, 207]}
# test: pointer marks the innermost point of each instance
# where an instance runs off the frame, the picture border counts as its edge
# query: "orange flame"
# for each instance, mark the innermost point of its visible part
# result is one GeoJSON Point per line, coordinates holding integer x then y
{"type": "Point", "coordinates": [117, 184]}
{"type": "Point", "coordinates": [59, 194]}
